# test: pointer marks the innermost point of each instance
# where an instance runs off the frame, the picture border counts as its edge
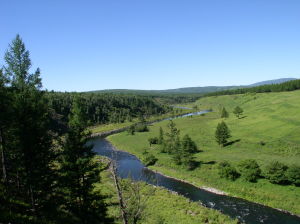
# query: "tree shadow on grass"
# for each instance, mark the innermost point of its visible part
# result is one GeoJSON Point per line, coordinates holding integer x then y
{"type": "Point", "coordinates": [243, 117]}
{"type": "Point", "coordinates": [210, 162]}
{"type": "Point", "coordinates": [232, 142]}
{"type": "Point", "coordinates": [194, 164]}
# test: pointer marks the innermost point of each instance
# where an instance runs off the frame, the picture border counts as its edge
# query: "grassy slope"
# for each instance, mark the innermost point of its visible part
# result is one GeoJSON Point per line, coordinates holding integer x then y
{"type": "Point", "coordinates": [162, 205]}
{"type": "Point", "coordinates": [269, 117]}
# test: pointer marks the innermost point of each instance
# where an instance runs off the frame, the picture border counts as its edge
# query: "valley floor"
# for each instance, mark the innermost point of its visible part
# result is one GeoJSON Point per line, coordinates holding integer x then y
{"type": "Point", "coordinates": [269, 118]}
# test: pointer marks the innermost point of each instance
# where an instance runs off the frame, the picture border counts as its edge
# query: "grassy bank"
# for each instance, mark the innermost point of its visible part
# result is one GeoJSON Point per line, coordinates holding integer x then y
{"type": "Point", "coordinates": [272, 118]}
{"type": "Point", "coordinates": [162, 206]}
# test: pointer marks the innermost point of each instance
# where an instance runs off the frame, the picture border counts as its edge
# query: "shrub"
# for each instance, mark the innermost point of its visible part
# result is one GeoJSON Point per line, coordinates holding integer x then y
{"type": "Point", "coordinates": [275, 172]}
{"type": "Point", "coordinates": [131, 130]}
{"type": "Point", "coordinates": [153, 141]}
{"type": "Point", "coordinates": [141, 128]}
{"type": "Point", "coordinates": [249, 169]}
{"type": "Point", "coordinates": [227, 171]}
{"type": "Point", "coordinates": [148, 159]}
{"type": "Point", "coordinates": [293, 175]}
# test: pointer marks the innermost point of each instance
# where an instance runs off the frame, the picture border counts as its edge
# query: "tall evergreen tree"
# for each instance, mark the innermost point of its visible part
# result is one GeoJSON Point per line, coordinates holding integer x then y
{"type": "Point", "coordinates": [30, 140]}
{"type": "Point", "coordinates": [222, 133]}
{"type": "Point", "coordinates": [79, 173]}
{"type": "Point", "coordinates": [161, 136]}
{"type": "Point", "coordinates": [172, 138]}
{"type": "Point", "coordinates": [224, 113]}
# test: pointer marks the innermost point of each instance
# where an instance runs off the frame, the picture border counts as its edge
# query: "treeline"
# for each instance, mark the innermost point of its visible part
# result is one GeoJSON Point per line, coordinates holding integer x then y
{"type": "Point", "coordinates": [102, 108]}
{"type": "Point", "coordinates": [46, 177]}
{"type": "Point", "coordinates": [286, 86]}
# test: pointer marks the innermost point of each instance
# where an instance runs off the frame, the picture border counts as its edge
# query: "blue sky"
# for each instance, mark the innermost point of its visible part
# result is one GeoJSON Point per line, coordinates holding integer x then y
{"type": "Point", "coordinates": [155, 44]}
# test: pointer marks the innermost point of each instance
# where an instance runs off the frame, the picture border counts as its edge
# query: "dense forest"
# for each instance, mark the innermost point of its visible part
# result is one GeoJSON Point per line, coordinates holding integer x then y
{"type": "Point", "coordinates": [102, 108]}
{"type": "Point", "coordinates": [286, 86]}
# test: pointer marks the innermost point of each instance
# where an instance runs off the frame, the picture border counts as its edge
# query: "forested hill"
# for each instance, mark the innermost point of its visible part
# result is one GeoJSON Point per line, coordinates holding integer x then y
{"type": "Point", "coordinates": [106, 108]}
{"type": "Point", "coordinates": [191, 90]}
{"type": "Point", "coordinates": [285, 86]}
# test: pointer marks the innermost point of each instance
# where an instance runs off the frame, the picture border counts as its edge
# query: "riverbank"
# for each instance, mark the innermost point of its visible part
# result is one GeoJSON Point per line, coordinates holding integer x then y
{"type": "Point", "coordinates": [275, 196]}
{"type": "Point", "coordinates": [163, 206]}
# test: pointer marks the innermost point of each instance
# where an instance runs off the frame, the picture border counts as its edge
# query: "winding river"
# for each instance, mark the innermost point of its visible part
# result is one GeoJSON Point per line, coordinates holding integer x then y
{"type": "Point", "coordinates": [245, 211]}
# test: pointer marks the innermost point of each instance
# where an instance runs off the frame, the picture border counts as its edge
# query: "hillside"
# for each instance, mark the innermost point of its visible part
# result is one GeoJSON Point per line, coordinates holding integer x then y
{"type": "Point", "coordinates": [271, 118]}
{"type": "Point", "coordinates": [193, 90]}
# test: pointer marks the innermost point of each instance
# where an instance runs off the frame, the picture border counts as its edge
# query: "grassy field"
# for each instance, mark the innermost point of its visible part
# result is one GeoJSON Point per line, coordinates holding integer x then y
{"type": "Point", "coordinates": [269, 117]}
{"type": "Point", "coordinates": [162, 206]}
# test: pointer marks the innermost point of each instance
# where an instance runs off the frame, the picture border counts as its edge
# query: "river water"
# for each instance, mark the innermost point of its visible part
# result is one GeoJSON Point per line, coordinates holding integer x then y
{"type": "Point", "coordinates": [245, 211]}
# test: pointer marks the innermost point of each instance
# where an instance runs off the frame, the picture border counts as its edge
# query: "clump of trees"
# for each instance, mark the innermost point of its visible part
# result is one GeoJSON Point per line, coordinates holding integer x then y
{"type": "Point", "coordinates": [222, 134]}
{"type": "Point", "coordinates": [276, 172]}
{"type": "Point", "coordinates": [153, 141]}
{"type": "Point", "coordinates": [227, 171]}
{"type": "Point", "coordinates": [182, 150]}
{"type": "Point", "coordinates": [249, 170]}
{"type": "Point", "coordinates": [148, 158]}
{"type": "Point", "coordinates": [41, 181]}
{"type": "Point", "coordinates": [139, 127]}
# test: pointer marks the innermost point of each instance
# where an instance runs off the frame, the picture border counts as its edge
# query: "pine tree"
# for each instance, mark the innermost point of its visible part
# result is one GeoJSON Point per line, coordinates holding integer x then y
{"type": "Point", "coordinates": [222, 133]}
{"type": "Point", "coordinates": [79, 173]}
{"type": "Point", "coordinates": [161, 136]}
{"type": "Point", "coordinates": [30, 153]}
{"type": "Point", "coordinates": [224, 113]}
{"type": "Point", "coordinates": [171, 142]}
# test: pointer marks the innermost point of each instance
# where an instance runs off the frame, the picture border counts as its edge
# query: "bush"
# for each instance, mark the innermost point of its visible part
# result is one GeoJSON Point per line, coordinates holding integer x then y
{"type": "Point", "coordinates": [293, 175]}
{"type": "Point", "coordinates": [153, 141]}
{"type": "Point", "coordinates": [275, 172]}
{"type": "Point", "coordinates": [131, 130]}
{"type": "Point", "coordinates": [148, 159]}
{"type": "Point", "coordinates": [141, 128]}
{"type": "Point", "coordinates": [227, 171]}
{"type": "Point", "coordinates": [249, 169]}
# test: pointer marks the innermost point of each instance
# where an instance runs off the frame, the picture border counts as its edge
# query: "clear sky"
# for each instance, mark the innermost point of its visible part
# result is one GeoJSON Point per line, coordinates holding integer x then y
{"type": "Point", "coordinates": [85, 45]}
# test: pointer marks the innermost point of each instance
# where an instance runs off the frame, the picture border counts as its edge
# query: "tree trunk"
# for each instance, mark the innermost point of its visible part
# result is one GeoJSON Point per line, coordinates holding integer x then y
{"type": "Point", "coordinates": [3, 156]}
{"type": "Point", "coordinates": [119, 192]}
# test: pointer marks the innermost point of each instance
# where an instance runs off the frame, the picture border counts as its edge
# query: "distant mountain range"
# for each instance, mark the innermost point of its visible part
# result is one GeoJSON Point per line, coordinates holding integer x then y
{"type": "Point", "coordinates": [194, 90]}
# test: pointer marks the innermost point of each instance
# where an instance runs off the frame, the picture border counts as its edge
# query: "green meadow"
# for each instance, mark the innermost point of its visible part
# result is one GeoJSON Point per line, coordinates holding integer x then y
{"type": "Point", "coordinates": [161, 206]}
{"type": "Point", "coordinates": [268, 130]}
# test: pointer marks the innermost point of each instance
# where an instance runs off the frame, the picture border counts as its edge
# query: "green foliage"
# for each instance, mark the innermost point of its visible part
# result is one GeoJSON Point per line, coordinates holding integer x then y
{"type": "Point", "coordinates": [153, 141]}
{"type": "Point", "coordinates": [148, 159]}
{"type": "Point", "coordinates": [293, 175]}
{"type": "Point", "coordinates": [275, 172]}
{"type": "Point", "coordinates": [249, 170]}
{"type": "Point", "coordinates": [227, 171]}
{"type": "Point", "coordinates": [188, 145]}
{"type": "Point", "coordinates": [104, 108]}
{"type": "Point", "coordinates": [79, 173]}
{"type": "Point", "coordinates": [141, 127]}
{"type": "Point", "coordinates": [224, 113]}
{"type": "Point", "coordinates": [238, 111]}
{"type": "Point", "coordinates": [222, 133]}
{"type": "Point", "coordinates": [161, 136]}
{"type": "Point", "coordinates": [131, 129]}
